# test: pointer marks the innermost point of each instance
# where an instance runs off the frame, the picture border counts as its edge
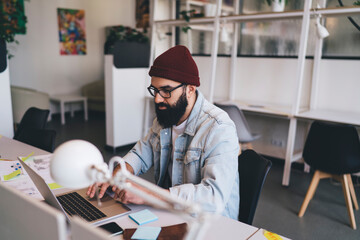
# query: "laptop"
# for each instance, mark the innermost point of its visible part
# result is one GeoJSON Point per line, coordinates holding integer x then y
{"type": "Point", "coordinates": [77, 202]}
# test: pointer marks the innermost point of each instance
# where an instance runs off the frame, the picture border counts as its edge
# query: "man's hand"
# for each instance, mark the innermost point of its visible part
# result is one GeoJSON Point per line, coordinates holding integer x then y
{"type": "Point", "coordinates": [127, 197]}
{"type": "Point", "coordinates": [103, 186]}
{"type": "Point", "coordinates": [91, 190]}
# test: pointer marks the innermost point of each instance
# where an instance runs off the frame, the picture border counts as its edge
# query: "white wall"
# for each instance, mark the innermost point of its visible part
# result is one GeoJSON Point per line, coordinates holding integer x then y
{"type": "Point", "coordinates": [6, 122]}
{"type": "Point", "coordinates": [38, 64]}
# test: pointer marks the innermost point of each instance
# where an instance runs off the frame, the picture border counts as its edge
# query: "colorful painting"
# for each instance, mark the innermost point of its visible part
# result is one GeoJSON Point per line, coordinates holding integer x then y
{"type": "Point", "coordinates": [71, 31]}
{"type": "Point", "coordinates": [142, 13]}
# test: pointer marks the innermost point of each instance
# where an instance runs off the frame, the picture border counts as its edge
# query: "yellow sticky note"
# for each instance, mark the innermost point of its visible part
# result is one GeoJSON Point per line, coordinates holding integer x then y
{"type": "Point", "coordinates": [54, 185]}
{"type": "Point", "coordinates": [271, 236]}
{"type": "Point", "coordinates": [25, 158]}
{"type": "Point", "coordinates": [12, 175]}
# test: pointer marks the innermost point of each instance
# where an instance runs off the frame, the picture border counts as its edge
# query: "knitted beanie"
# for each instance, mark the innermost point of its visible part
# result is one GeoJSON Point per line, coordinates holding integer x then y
{"type": "Point", "coordinates": [176, 64]}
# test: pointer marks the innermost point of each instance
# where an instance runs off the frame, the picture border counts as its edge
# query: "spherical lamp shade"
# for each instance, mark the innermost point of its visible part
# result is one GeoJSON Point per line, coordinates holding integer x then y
{"type": "Point", "coordinates": [71, 162]}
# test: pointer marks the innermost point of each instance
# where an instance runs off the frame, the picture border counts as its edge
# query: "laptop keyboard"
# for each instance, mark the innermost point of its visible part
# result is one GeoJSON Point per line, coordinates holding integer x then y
{"type": "Point", "coordinates": [74, 204]}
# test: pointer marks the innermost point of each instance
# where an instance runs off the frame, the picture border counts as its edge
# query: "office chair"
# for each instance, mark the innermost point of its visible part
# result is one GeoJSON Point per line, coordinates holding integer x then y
{"type": "Point", "coordinates": [40, 138]}
{"type": "Point", "coordinates": [33, 118]}
{"type": "Point", "coordinates": [253, 170]}
{"type": "Point", "coordinates": [242, 127]}
{"type": "Point", "coordinates": [333, 151]}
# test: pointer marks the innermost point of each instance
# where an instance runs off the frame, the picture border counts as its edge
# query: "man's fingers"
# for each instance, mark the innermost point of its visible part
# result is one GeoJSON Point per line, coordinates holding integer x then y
{"type": "Point", "coordinates": [118, 193]}
{"type": "Point", "coordinates": [92, 190]}
{"type": "Point", "coordinates": [103, 188]}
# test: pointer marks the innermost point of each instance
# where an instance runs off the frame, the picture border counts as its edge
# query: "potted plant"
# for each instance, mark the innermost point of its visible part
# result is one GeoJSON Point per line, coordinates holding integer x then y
{"type": "Point", "coordinates": [277, 5]}
{"type": "Point", "coordinates": [12, 21]}
{"type": "Point", "coordinates": [130, 47]}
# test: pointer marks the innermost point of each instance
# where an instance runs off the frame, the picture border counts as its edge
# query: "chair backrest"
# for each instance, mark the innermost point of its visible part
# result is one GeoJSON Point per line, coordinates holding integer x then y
{"type": "Point", "coordinates": [33, 118]}
{"type": "Point", "coordinates": [238, 117]}
{"type": "Point", "coordinates": [24, 98]}
{"type": "Point", "coordinates": [253, 170]}
{"type": "Point", "coordinates": [332, 148]}
{"type": "Point", "coordinates": [40, 138]}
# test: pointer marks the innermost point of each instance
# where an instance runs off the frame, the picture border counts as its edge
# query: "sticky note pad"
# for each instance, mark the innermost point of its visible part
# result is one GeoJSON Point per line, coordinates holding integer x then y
{"type": "Point", "coordinates": [142, 217]}
{"type": "Point", "coordinates": [54, 185]}
{"type": "Point", "coordinates": [12, 175]}
{"type": "Point", "coordinates": [146, 233]}
{"type": "Point", "coordinates": [271, 236]}
{"type": "Point", "coordinates": [27, 157]}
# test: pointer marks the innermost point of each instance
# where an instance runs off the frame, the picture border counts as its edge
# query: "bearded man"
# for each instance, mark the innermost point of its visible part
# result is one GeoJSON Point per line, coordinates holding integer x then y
{"type": "Point", "coordinates": [192, 144]}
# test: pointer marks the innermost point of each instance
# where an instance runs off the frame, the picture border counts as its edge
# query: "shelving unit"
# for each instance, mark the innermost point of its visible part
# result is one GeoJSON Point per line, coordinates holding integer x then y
{"type": "Point", "coordinates": [298, 103]}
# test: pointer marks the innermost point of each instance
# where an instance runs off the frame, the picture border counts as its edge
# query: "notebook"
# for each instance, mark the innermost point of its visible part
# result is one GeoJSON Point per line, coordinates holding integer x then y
{"type": "Point", "coordinates": [77, 202]}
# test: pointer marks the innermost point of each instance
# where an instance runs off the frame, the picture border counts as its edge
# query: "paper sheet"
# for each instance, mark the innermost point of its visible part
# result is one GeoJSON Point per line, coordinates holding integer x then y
{"type": "Point", "coordinates": [21, 182]}
{"type": "Point", "coordinates": [40, 164]}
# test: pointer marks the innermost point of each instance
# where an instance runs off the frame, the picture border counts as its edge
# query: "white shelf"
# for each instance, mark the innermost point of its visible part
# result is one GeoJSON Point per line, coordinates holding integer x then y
{"type": "Point", "coordinates": [261, 107]}
{"type": "Point", "coordinates": [298, 14]}
{"type": "Point", "coordinates": [291, 110]}
{"type": "Point", "coordinates": [352, 118]}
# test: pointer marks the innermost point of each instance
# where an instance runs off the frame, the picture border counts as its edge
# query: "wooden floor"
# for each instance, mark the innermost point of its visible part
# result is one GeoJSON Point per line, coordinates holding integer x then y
{"type": "Point", "coordinates": [325, 218]}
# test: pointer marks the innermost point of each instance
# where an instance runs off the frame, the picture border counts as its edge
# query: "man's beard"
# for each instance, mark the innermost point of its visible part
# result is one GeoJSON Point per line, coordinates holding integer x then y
{"type": "Point", "coordinates": [172, 114]}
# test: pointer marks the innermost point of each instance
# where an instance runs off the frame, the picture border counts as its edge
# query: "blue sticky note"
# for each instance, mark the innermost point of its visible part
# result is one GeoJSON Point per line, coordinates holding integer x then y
{"type": "Point", "coordinates": [142, 217]}
{"type": "Point", "coordinates": [146, 233]}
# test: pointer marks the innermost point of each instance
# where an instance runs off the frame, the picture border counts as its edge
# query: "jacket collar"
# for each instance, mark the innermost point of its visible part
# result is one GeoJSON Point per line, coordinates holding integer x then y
{"type": "Point", "coordinates": [194, 115]}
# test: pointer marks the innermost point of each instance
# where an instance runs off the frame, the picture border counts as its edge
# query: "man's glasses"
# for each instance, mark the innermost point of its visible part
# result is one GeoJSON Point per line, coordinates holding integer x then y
{"type": "Point", "coordinates": [164, 93]}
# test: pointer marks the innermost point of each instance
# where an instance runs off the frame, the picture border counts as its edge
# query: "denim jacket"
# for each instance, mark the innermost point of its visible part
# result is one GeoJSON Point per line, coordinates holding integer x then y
{"type": "Point", "coordinates": [205, 162]}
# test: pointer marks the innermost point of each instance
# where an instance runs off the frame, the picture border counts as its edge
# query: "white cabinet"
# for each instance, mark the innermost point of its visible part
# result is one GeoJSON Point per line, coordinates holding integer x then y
{"type": "Point", "coordinates": [124, 102]}
{"type": "Point", "coordinates": [288, 89]}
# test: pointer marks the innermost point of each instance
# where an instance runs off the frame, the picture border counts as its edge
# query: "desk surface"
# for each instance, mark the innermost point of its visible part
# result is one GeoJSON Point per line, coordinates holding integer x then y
{"type": "Point", "coordinates": [220, 227]}
{"type": "Point", "coordinates": [11, 149]}
{"type": "Point", "coordinates": [352, 118]}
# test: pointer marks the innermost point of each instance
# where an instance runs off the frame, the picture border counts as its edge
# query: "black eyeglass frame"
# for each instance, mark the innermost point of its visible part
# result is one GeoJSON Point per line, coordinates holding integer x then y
{"type": "Point", "coordinates": [149, 88]}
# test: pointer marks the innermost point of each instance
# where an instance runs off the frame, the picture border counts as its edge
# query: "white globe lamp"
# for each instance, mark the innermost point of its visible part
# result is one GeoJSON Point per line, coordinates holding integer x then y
{"type": "Point", "coordinates": [71, 163]}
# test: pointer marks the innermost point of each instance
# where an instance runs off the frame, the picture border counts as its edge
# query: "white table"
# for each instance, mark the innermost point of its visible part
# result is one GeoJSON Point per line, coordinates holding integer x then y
{"type": "Point", "coordinates": [63, 99]}
{"type": "Point", "coordinates": [220, 227]}
{"type": "Point", "coordinates": [11, 149]}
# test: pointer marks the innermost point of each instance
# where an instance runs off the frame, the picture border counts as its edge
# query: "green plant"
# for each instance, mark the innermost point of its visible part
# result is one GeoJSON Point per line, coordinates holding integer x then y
{"type": "Point", "coordinates": [187, 15]}
{"type": "Point", "coordinates": [124, 34]}
{"type": "Point", "coordinates": [357, 3]}
{"type": "Point", "coordinates": [270, 1]}
{"type": "Point", "coordinates": [12, 20]}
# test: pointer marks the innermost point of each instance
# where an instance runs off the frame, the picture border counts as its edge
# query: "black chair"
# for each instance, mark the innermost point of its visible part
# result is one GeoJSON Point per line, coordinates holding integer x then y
{"type": "Point", "coordinates": [244, 133]}
{"type": "Point", "coordinates": [333, 151]}
{"type": "Point", "coordinates": [40, 138]}
{"type": "Point", "coordinates": [33, 118]}
{"type": "Point", "coordinates": [253, 170]}
{"type": "Point", "coordinates": [31, 130]}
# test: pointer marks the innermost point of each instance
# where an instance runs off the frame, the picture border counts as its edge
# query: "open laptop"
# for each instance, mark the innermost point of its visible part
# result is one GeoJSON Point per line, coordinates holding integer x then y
{"type": "Point", "coordinates": [77, 202]}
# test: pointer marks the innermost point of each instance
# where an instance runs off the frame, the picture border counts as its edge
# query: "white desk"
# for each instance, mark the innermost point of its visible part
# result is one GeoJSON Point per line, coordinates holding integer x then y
{"type": "Point", "coordinates": [63, 99]}
{"type": "Point", "coordinates": [10, 149]}
{"type": "Point", "coordinates": [220, 228]}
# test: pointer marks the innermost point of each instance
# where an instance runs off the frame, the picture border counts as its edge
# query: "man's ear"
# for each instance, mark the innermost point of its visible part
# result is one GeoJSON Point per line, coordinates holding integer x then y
{"type": "Point", "coordinates": [191, 90]}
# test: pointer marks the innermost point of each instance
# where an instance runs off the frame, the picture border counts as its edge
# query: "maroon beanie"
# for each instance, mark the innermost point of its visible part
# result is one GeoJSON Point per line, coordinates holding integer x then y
{"type": "Point", "coordinates": [176, 64]}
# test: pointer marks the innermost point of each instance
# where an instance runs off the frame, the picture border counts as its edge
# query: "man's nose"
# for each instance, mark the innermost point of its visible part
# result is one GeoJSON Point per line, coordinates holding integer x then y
{"type": "Point", "coordinates": [158, 98]}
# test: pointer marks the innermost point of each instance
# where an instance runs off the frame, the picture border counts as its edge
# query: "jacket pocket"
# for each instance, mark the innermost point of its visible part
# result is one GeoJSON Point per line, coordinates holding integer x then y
{"type": "Point", "coordinates": [192, 166]}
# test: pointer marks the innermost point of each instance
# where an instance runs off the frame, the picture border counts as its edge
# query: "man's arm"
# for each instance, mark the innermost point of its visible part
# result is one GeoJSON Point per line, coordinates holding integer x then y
{"type": "Point", "coordinates": [137, 160]}
{"type": "Point", "coordinates": [219, 171]}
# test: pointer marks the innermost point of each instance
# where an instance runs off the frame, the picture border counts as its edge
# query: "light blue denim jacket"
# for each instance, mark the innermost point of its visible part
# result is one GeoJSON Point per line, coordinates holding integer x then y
{"type": "Point", "coordinates": [205, 165]}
